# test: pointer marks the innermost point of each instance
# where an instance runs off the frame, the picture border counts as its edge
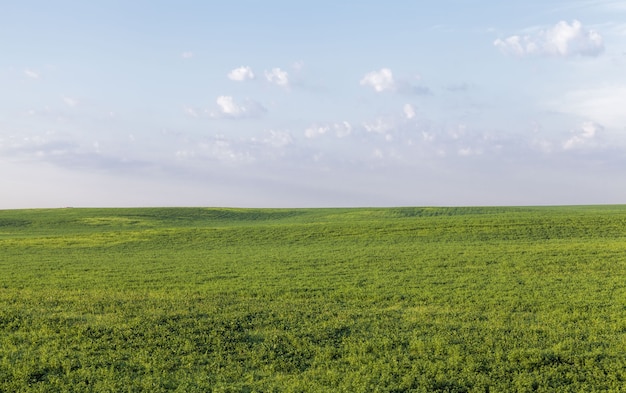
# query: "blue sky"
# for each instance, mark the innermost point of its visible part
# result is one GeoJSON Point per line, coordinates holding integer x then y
{"type": "Point", "coordinates": [294, 104]}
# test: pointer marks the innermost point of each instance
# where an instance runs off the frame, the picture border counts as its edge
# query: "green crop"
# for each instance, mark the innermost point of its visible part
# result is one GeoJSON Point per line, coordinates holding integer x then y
{"type": "Point", "coordinates": [482, 299]}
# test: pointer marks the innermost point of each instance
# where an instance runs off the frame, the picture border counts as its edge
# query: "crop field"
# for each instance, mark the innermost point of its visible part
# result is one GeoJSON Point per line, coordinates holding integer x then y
{"type": "Point", "coordinates": [482, 299]}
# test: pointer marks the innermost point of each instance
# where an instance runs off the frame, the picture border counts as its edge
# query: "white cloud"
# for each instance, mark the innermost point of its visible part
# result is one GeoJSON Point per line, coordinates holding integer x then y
{"type": "Point", "coordinates": [408, 110]}
{"type": "Point", "coordinates": [383, 80]}
{"type": "Point", "coordinates": [514, 46]}
{"type": "Point", "coordinates": [590, 129]}
{"type": "Point", "coordinates": [340, 129]}
{"type": "Point", "coordinates": [562, 40]}
{"type": "Point", "coordinates": [228, 108]}
{"type": "Point", "coordinates": [187, 55]}
{"type": "Point", "coordinates": [277, 77]}
{"type": "Point", "coordinates": [241, 74]}
{"type": "Point", "coordinates": [380, 81]}
{"type": "Point", "coordinates": [227, 105]}
{"type": "Point", "coordinates": [32, 74]}
{"type": "Point", "coordinates": [585, 137]}
{"type": "Point", "coordinates": [315, 131]}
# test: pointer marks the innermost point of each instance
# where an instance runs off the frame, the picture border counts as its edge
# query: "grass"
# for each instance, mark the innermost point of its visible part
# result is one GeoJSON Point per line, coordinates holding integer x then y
{"type": "Point", "coordinates": [354, 300]}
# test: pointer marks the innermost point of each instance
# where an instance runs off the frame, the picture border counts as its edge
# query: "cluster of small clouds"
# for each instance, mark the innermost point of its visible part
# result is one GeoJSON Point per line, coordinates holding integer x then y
{"type": "Point", "coordinates": [406, 136]}
{"type": "Point", "coordinates": [395, 139]}
{"type": "Point", "coordinates": [390, 136]}
{"type": "Point", "coordinates": [277, 77]}
{"type": "Point", "coordinates": [340, 130]}
{"type": "Point", "coordinates": [562, 40]}
{"type": "Point", "coordinates": [379, 126]}
{"type": "Point", "coordinates": [585, 137]}
{"type": "Point", "coordinates": [228, 108]}
{"type": "Point", "coordinates": [378, 121]}
{"type": "Point", "coordinates": [381, 81]}
{"type": "Point", "coordinates": [274, 76]}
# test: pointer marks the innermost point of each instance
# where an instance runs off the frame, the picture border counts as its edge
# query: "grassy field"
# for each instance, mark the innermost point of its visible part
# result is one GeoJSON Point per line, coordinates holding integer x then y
{"type": "Point", "coordinates": [331, 300]}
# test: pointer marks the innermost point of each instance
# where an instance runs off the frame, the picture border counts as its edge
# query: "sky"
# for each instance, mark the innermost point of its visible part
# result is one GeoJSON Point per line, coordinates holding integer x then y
{"type": "Point", "coordinates": [312, 103]}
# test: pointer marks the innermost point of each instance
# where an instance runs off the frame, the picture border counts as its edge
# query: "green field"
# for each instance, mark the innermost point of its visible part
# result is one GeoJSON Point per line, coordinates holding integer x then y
{"type": "Point", "coordinates": [515, 299]}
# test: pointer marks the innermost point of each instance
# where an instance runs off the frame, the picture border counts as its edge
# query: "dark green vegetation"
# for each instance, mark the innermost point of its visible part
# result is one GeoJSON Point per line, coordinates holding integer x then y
{"type": "Point", "coordinates": [352, 300]}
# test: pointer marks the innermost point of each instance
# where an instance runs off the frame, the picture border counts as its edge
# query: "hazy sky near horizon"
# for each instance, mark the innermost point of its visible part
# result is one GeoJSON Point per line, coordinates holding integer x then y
{"type": "Point", "coordinates": [301, 103]}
